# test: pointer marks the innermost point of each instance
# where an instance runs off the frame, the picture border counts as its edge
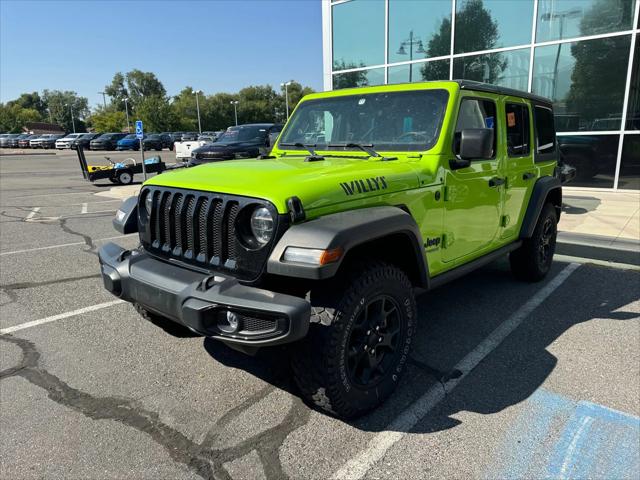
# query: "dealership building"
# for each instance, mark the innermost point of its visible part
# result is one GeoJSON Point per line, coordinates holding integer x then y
{"type": "Point", "coordinates": [583, 54]}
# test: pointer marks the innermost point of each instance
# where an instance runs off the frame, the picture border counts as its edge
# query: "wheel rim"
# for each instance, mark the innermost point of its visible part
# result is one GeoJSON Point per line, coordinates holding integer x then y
{"type": "Point", "coordinates": [546, 238]}
{"type": "Point", "coordinates": [373, 345]}
{"type": "Point", "coordinates": [125, 178]}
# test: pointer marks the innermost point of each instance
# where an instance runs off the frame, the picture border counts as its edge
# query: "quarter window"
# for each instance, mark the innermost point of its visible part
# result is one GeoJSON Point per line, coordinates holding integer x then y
{"type": "Point", "coordinates": [475, 113]}
{"type": "Point", "coordinates": [545, 131]}
{"type": "Point", "coordinates": [518, 129]}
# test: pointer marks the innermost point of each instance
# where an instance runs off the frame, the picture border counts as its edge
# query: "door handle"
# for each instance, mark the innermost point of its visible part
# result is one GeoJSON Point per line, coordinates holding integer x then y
{"type": "Point", "coordinates": [496, 182]}
{"type": "Point", "coordinates": [528, 175]}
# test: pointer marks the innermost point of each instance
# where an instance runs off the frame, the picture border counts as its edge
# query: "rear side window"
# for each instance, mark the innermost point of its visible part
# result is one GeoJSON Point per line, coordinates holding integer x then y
{"type": "Point", "coordinates": [545, 131]}
{"type": "Point", "coordinates": [518, 129]}
{"type": "Point", "coordinates": [475, 113]}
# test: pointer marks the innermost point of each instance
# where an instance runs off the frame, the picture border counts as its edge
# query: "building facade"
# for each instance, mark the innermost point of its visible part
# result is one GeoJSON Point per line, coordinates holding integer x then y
{"type": "Point", "coordinates": [583, 54]}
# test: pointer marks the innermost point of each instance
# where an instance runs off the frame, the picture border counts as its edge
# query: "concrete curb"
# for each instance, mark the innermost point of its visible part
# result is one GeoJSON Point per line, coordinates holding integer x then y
{"type": "Point", "coordinates": [25, 153]}
{"type": "Point", "coordinates": [598, 247]}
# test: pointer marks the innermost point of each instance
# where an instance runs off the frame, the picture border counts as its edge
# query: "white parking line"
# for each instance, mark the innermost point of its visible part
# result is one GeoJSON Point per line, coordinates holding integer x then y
{"type": "Point", "coordinates": [358, 466]}
{"type": "Point", "coordinates": [32, 213]}
{"type": "Point", "coordinates": [61, 316]}
{"type": "Point", "coordinates": [85, 208]}
{"type": "Point", "coordinates": [60, 246]}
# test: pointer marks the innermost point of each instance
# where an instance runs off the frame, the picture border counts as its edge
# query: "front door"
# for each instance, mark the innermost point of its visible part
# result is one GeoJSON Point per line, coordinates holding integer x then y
{"type": "Point", "coordinates": [473, 195]}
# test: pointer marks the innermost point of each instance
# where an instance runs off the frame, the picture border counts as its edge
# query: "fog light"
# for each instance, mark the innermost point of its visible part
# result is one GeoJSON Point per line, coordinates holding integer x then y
{"type": "Point", "coordinates": [228, 322]}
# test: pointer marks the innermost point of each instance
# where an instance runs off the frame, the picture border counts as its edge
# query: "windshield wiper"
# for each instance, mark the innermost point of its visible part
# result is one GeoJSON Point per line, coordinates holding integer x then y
{"type": "Point", "coordinates": [367, 148]}
{"type": "Point", "coordinates": [314, 157]}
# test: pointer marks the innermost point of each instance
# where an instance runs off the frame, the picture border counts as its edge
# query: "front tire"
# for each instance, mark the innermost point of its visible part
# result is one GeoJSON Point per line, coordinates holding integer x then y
{"type": "Point", "coordinates": [358, 342]}
{"type": "Point", "coordinates": [532, 261]}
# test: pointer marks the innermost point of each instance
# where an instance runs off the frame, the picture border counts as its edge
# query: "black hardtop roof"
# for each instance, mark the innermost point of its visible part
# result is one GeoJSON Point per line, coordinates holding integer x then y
{"type": "Point", "coordinates": [489, 88]}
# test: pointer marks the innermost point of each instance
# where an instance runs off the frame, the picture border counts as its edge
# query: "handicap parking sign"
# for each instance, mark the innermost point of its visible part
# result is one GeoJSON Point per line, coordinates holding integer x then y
{"type": "Point", "coordinates": [139, 131]}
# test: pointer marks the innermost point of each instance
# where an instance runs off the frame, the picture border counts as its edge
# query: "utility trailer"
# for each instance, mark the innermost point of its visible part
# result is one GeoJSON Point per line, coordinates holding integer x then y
{"type": "Point", "coordinates": [118, 172]}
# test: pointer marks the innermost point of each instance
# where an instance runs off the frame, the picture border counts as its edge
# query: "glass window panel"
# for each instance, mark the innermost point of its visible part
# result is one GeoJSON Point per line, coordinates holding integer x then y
{"type": "Point", "coordinates": [475, 113]}
{"type": "Point", "coordinates": [593, 156]}
{"type": "Point", "coordinates": [633, 111]}
{"type": "Point", "coordinates": [585, 80]}
{"type": "Point", "coordinates": [518, 129]}
{"type": "Point", "coordinates": [483, 25]}
{"type": "Point", "coordinates": [577, 18]}
{"type": "Point", "coordinates": [630, 163]}
{"type": "Point", "coordinates": [545, 131]}
{"type": "Point", "coordinates": [507, 69]}
{"type": "Point", "coordinates": [419, 29]}
{"type": "Point", "coordinates": [359, 78]}
{"type": "Point", "coordinates": [420, 72]}
{"type": "Point", "coordinates": [358, 34]}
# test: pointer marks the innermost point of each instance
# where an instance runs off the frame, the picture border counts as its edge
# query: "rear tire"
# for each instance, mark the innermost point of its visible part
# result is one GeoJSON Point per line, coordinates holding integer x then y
{"type": "Point", "coordinates": [532, 261]}
{"type": "Point", "coordinates": [358, 342]}
{"type": "Point", "coordinates": [125, 178]}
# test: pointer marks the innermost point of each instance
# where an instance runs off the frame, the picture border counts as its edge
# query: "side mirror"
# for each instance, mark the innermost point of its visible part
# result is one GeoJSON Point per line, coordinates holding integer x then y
{"type": "Point", "coordinates": [476, 143]}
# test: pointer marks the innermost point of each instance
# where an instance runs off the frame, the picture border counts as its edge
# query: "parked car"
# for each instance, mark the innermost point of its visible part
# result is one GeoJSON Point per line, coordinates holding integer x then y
{"type": "Point", "coordinates": [176, 136]}
{"type": "Point", "coordinates": [189, 136]}
{"type": "Point", "coordinates": [158, 141]}
{"type": "Point", "coordinates": [15, 141]}
{"type": "Point", "coordinates": [325, 250]}
{"type": "Point", "coordinates": [84, 140]}
{"type": "Point", "coordinates": [130, 142]}
{"type": "Point", "coordinates": [183, 149]}
{"type": "Point", "coordinates": [4, 140]}
{"type": "Point", "coordinates": [65, 142]}
{"type": "Point", "coordinates": [106, 141]}
{"type": "Point", "coordinates": [50, 141]}
{"type": "Point", "coordinates": [24, 142]}
{"type": "Point", "coordinates": [35, 142]}
{"type": "Point", "coordinates": [242, 141]}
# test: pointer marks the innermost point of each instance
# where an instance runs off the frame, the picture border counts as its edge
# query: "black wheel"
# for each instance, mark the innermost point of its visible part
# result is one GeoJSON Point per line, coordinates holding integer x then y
{"type": "Point", "coordinates": [358, 342]}
{"type": "Point", "coordinates": [125, 177]}
{"type": "Point", "coordinates": [164, 323]}
{"type": "Point", "coordinates": [532, 261]}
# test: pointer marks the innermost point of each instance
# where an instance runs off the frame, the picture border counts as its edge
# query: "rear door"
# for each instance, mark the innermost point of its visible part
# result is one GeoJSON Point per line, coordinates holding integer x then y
{"type": "Point", "coordinates": [518, 165]}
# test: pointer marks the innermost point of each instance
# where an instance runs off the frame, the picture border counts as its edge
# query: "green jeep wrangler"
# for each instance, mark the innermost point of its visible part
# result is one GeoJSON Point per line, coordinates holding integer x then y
{"type": "Point", "coordinates": [368, 194]}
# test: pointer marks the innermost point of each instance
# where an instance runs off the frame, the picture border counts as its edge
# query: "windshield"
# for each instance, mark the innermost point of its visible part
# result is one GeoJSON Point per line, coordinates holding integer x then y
{"type": "Point", "coordinates": [247, 133]}
{"type": "Point", "coordinates": [396, 121]}
{"type": "Point", "coordinates": [130, 136]}
{"type": "Point", "coordinates": [154, 136]}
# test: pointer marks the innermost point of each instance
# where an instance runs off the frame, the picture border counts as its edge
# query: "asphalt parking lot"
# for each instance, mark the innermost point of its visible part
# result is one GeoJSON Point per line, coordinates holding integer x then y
{"type": "Point", "coordinates": [507, 380]}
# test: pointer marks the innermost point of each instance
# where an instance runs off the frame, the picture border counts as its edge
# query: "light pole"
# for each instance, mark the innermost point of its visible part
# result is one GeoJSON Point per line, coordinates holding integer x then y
{"type": "Point", "coordinates": [286, 95]}
{"type": "Point", "coordinates": [410, 42]}
{"type": "Point", "coordinates": [562, 16]}
{"type": "Point", "coordinates": [235, 109]}
{"type": "Point", "coordinates": [198, 109]}
{"type": "Point", "coordinates": [104, 98]}
{"type": "Point", "coordinates": [126, 109]}
{"type": "Point", "coordinates": [73, 122]}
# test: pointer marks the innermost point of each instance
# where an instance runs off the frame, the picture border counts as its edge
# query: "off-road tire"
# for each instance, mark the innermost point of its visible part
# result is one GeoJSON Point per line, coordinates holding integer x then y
{"type": "Point", "coordinates": [164, 323]}
{"type": "Point", "coordinates": [532, 261]}
{"type": "Point", "coordinates": [320, 363]}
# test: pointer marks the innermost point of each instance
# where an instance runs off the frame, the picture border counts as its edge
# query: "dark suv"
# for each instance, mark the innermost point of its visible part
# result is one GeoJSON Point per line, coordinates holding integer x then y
{"type": "Point", "coordinates": [107, 141]}
{"type": "Point", "coordinates": [158, 141]}
{"type": "Point", "coordinates": [242, 141]}
{"type": "Point", "coordinates": [83, 140]}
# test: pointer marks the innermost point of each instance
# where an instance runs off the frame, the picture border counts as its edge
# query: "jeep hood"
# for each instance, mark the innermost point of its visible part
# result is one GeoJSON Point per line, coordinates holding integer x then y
{"type": "Point", "coordinates": [317, 184]}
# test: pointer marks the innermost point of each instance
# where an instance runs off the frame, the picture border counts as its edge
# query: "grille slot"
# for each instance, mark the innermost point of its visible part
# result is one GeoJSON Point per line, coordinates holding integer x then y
{"type": "Point", "coordinates": [253, 324]}
{"type": "Point", "coordinates": [200, 228]}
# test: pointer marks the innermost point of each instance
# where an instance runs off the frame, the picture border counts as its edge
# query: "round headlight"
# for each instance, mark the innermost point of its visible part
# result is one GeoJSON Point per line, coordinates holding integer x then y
{"type": "Point", "coordinates": [148, 203]}
{"type": "Point", "coordinates": [262, 225]}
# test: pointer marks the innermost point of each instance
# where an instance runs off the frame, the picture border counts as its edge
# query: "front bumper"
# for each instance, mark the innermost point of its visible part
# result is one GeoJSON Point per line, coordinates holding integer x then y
{"type": "Point", "coordinates": [201, 302]}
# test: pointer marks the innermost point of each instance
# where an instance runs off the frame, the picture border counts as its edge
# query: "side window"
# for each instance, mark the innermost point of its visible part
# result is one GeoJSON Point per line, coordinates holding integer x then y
{"type": "Point", "coordinates": [545, 130]}
{"type": "Point", "coordinates": [518, 129]}
{"type": "Point", "coordinates": [475, 113]}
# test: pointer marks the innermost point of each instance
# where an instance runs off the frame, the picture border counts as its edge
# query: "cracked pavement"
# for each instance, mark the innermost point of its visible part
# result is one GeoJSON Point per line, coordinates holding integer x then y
{"type": "Point", "coordinates": [104, 394]}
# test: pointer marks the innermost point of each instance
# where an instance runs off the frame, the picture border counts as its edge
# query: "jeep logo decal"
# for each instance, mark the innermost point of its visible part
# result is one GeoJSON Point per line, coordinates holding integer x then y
{"type": "Point", "coordinates": [432, 243]}
{"type": "Point", "coordinates": [364, 185]}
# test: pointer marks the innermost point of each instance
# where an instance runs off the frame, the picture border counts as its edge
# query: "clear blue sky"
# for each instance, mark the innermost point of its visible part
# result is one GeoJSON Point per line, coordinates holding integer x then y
{"type": "Point", "coordinates": [211, 45]}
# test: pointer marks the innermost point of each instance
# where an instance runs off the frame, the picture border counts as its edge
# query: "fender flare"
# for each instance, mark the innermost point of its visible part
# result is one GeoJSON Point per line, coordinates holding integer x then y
{"type": "Point", "coordinates": [346, 230]}
{"type": "Point", "coordinates": [541, 191]}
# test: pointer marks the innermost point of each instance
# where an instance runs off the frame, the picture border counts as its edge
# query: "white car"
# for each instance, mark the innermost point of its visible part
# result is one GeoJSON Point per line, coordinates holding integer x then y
{"type": "Point", "coordinates": [66, 141]}
{"type": "Point", "coordinates": [35, 142]}
{"type": "Point", "coordinates": [183, 149]}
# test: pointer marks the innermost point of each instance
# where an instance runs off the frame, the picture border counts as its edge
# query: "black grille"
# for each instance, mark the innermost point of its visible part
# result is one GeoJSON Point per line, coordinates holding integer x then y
{"type": "Point", "coordinates": [200, 228]}
{"type": "Point", "coordinates": [254, 325]}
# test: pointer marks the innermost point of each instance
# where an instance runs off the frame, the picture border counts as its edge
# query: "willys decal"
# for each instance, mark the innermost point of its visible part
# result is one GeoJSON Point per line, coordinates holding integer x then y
{"type": "Point", "coordinates": [364, 185]}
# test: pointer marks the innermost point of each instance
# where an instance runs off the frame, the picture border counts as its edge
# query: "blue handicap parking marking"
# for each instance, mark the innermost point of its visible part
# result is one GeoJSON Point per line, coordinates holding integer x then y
{"type": "Point", "coordinates": [558, 438]}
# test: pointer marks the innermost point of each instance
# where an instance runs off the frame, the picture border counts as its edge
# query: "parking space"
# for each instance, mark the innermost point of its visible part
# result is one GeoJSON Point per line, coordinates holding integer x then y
{"type": "Point", "coordinates": [506, 379]}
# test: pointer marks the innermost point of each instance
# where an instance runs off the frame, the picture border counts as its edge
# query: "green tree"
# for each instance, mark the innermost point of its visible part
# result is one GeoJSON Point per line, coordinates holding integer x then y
{"type": "Point", "coordinates": [157, 114]}
{"type": "Point", "coordinates": [350, 79]}
{"type": "Point", "coordinates": [184, 105]}
{"type": "Point", "coordinates": [143, 84]}
{"type": "Point", "coordinates": [13, 117]}
{"type": "Point", "coordinates": [60, 104]}
{"type": "Point", "coordinates": [31, 101]}
{"type": "Point", "coordinates": [117, 91]}
{"type": "Point", "coordinates": [108, 121]}
{"type": "Point", "coordinates": [296, 92]}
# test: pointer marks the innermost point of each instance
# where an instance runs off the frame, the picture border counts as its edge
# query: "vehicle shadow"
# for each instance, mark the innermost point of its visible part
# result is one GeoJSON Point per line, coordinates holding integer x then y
{"type": "Point", "coordinates": [573, 205]}
{"type": "Point", "coordinates": [453, 321]}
